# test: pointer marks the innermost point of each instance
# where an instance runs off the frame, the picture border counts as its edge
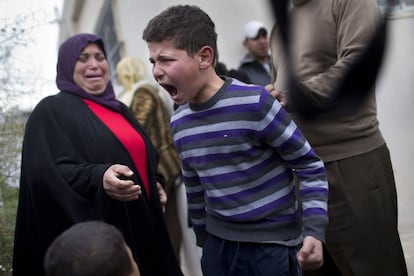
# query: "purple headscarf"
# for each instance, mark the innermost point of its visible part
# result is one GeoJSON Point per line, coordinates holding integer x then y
{"type": "Point", "coordinates": [69, 52]}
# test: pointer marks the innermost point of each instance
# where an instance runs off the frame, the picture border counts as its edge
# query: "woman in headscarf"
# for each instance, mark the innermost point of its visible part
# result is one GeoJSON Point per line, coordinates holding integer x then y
{"type": "Point", "coordinates": [85, 157]}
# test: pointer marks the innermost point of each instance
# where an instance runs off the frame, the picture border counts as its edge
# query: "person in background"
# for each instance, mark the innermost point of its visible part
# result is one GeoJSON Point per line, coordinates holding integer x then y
{"type": "Point", "coordinates": [145, 102]}
{"type": "Point", "coordinates": [327, 38]}
{"type": "Point", "coordinates": [256, 64]}
{"type": "Point", "coordinates": [240, 153]}
{"type": "Point", "coordinates": [88, 249]}
{"type": "Point", "coordinates": [86, 157]}
{"type": "Point", "coordinates": [221, 70]}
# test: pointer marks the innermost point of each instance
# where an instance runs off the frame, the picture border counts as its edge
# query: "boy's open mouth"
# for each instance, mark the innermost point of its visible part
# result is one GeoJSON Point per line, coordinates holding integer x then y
{"type": "Point", "coordinates": [170, 89]}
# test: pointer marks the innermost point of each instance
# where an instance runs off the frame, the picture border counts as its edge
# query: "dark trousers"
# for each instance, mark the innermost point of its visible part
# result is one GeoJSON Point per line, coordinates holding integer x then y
{"type": "Point", "coordinates": [229, 258]}
{"type": "Point", "coordinates": [362, 236]}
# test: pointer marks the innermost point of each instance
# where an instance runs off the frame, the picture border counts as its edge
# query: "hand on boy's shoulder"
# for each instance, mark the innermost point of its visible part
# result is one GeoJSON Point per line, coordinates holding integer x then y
{"type": "Point", "coordinates": [310, 256]}
{"type": "Point", "coordinates": [279, 95]}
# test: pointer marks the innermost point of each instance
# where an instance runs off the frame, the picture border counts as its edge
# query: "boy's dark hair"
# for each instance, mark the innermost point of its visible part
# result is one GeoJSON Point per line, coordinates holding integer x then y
{"type": "Point", "coordinates": [88, 248]}
{"type": "Point", "coordinates": [189, 28]}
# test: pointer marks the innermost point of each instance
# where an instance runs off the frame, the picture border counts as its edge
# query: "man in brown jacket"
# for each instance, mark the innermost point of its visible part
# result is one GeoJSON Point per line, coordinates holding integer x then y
{"type": "Point", "coordinates": [326, 39]}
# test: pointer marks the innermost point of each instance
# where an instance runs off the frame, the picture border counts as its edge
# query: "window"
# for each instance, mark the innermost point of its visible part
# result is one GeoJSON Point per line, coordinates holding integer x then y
{"type": "Point", "coordinates": [106, 30]}
{"type": "Point", "coordinates": [398, 5]}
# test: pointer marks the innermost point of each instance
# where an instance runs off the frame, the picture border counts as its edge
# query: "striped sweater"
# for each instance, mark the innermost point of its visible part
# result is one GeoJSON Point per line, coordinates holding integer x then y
{"type": "Point", "coordinates": [240, 152]}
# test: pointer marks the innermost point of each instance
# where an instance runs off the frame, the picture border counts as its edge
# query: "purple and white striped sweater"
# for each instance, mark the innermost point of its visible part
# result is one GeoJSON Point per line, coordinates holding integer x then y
{"type": "Point", "coordinates": [240, 151]}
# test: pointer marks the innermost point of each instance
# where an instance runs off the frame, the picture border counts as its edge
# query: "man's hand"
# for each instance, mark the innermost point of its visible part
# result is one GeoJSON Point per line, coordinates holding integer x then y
{"type": "Point", "coordinates": [279, 95]}
{"type": "Point", "coordinates": [310, 256]}
{"type": "Point", "coordinates": [117, 185]}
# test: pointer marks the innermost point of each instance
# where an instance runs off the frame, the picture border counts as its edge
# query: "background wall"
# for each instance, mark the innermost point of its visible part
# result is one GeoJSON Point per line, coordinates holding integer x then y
{"type": "Point", "coordinates": [229, 17]}
{"type": "Point", "coordinates": [395, 95]}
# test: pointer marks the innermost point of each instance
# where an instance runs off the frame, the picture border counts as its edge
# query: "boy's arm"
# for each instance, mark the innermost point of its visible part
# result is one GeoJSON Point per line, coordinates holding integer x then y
{"type": "Point", "coordinates": [313, 188]}
{"type": "Point", "coordinates": [286, 138]}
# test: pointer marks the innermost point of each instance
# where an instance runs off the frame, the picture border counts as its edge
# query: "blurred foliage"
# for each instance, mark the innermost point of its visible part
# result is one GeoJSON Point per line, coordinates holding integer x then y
{"type": "Point", "coordinates": [7, 222]}
{"type": "Point", "coordinates": [11, 136]}
{"type": "Point", "coordinates": [12, 36]}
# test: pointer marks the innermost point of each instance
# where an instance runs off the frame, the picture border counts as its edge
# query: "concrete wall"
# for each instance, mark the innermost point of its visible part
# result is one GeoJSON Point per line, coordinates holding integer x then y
{"type": "Point", "coordinates": [229, 17]}
{"type": "Point", "coordinates": [79, 16]}
{"type": "Point", "coordinates": [131, 17]}
{"type": "Point", "coordinates": [395, 95]}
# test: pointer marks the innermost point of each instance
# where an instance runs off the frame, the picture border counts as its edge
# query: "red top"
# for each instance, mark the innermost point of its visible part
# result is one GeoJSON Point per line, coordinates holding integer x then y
{"type": "Point", "coordinates": [127, 135]}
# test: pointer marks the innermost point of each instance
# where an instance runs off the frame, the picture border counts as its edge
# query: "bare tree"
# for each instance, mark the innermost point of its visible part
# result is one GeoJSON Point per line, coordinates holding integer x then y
{"type": "Point", "coordinates": [17, 78]}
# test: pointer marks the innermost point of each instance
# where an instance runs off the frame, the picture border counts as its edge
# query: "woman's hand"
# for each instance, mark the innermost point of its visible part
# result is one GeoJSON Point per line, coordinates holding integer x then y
{"type": "Point", "coordinates": [117, 183]}
{"type": "Point", "coordinates": [163, 196]}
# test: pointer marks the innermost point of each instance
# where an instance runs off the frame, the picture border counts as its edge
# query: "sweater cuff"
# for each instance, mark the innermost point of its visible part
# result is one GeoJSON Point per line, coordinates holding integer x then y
{"type": "Point", "coordinates": [315, 227]}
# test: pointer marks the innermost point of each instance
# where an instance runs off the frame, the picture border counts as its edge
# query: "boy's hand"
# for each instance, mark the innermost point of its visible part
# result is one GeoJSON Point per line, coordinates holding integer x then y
{"type": "Point", "coordinates": [310, 256]}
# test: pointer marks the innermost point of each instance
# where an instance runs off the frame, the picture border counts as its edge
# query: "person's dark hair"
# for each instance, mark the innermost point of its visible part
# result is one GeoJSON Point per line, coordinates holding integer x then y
{"type": "Point", "coordinates": [188, 27]}
{"type": "Point", "coordinates": [88, 248]}
{"type": "Point", "coordinates": [261, 32]}
{"type": "Point", "coordinates": [221, 69]}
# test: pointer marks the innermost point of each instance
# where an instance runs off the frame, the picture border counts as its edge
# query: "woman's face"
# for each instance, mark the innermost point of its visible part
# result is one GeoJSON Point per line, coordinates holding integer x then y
{"type": "Point", "coordinates": [92, 70]}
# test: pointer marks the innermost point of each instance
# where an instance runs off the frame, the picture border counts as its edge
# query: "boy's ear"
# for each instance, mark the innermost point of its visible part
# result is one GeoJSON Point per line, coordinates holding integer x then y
{"type": "Point", "coordinates": [206, 55]}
